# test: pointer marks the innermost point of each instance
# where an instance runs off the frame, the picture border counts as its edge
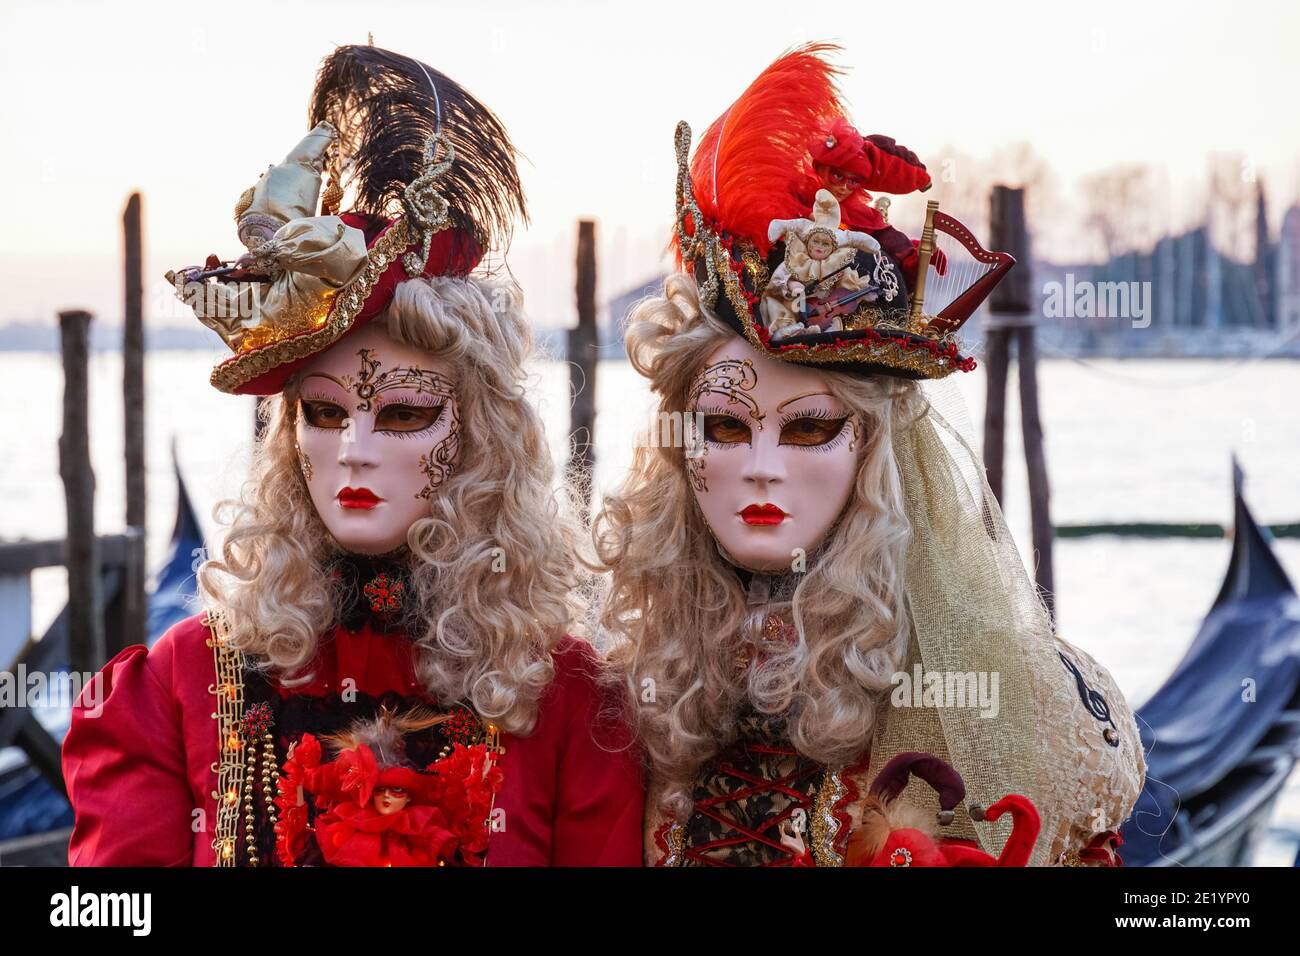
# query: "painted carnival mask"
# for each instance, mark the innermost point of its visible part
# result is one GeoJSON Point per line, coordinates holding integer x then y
{"type": "Point", "coordinates": [775, 459]}
{"type": "Point", "coordinates": [378, 431]}
{"type": "Point", "coordinates": [841, 184]}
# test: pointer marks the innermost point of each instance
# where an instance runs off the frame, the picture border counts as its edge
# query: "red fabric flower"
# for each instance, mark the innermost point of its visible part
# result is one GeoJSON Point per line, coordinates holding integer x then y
{"type": "Point", "coordinates": [353, 774]}
{"type": "Point", "coordinates": [462, 727]}
{"type": "Point", "coordinates": [300, 774]}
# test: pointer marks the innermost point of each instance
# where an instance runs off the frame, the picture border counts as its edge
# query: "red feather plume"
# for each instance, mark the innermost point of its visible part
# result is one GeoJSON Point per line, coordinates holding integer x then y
{"type": "Point", "coordinates": [751, 165]}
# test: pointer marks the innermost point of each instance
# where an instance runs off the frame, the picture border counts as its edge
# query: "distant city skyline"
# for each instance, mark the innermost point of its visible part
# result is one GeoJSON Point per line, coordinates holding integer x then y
{"type": "Point", "coordinates": [190, 107]}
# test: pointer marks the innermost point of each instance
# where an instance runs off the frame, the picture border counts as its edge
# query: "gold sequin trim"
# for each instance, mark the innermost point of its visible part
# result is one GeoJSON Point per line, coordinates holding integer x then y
{"type": "Point", "coordinates": [289, 323]}
{"type": "Point", "coordinates": [229, 768]}
{"type": "Point", "coordinates": [888, 353]}
{"type": "Point", "coordinates": [675, 840]}
{"type": "Point", "coordinates": [825, 825]}
{"type": "Point", "coordinates": [758, 272]}
{"type": "Point", "coordinates": [238, 371]}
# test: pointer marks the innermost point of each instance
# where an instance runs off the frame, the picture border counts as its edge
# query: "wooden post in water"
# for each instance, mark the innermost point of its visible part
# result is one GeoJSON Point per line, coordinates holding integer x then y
{"type": "Point", "coordinates": [1012, 305]}
{"type": "Point", "coordinates": [133, 593]}
{"type": "Point", "coordinates": [1036, 465]}
{"type": "Point", "coordinates": [996, 348]}
{"type": "Point", "coordinates": [582, 356]}
{"type": "Point", "coordinates": [86, 650]}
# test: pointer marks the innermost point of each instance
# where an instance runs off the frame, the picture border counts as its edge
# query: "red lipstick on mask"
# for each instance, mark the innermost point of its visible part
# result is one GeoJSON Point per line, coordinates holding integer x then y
{"type": "Point", "coordinates": [767, 514]}
{"type": "Point", "coordinates": [362, 498]}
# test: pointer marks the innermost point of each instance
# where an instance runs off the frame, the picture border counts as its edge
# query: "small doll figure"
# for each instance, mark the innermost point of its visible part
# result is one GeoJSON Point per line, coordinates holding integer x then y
{"type": "Point", "coordinates": [373, 808]}
{"type": "Point", "coordinates": [852, 166]}
{"type": "Point", "coordinates": [849, 164]}
{"type": "Point", "coordinates": [891, 832]}
{"type": "Point", "coordinates": [819, 261]}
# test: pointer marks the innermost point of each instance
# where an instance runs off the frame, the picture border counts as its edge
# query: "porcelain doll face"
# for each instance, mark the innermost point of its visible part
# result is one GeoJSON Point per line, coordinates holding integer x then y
{"type": "Point", "coordinates": [378, 431]}
{"type": "Point", "coordinates": [778, 456]}
{"type": "Point", "coordinates": [390, 800]}
{"type": "Point", "coordinates": [820, 246]}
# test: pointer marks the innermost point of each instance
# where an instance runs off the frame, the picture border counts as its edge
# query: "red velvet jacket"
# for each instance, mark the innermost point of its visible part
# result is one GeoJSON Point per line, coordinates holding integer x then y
{"type": "Point", "coordinates": [141, 774]}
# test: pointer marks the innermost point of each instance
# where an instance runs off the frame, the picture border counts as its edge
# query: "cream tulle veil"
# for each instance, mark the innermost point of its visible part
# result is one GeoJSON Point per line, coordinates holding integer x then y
{"type": "Point", "coordinates": [975, 610]}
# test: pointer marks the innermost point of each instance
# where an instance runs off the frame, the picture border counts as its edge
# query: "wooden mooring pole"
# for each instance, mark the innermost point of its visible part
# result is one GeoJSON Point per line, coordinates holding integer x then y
{"type": "Point", "coordinates": [134, 613]}
{"type": "Point", "coordinates": [86, 648]}
{"type": "Point", "coordinates": [1011, 320]}
{"type": "Point", "coordinates": [582, 357]}
{"type": "Point", "coordinates": [996, 355]}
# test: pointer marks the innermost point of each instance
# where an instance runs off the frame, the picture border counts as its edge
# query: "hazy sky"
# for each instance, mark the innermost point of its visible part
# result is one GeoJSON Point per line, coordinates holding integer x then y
{"type": "Point", "coordinates": [191, 102]}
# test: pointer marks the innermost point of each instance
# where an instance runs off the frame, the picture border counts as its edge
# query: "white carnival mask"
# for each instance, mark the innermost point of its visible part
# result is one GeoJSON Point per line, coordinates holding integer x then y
{"type": "Point", "coordinates": [777, 458]}
{"type": "Point", "coordinates": [378, 430]}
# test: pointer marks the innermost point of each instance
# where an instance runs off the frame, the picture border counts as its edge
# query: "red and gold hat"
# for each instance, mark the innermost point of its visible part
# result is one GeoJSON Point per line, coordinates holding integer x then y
{"type": "Point", "coordinates": [774, 222]}
{"type": "Point", "coordinates": [430, 174]}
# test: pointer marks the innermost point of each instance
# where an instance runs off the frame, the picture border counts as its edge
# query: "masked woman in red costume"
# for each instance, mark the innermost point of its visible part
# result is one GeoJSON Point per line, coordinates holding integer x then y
{"type": "Point", "coordinates": [399, 560]}
{"type": "Point", "coordinates": [817, 595]}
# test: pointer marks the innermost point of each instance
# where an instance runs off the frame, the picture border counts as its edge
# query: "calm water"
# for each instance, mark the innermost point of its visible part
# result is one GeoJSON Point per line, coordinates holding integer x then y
{"type": "Point", "coordinates": [1126, 441]}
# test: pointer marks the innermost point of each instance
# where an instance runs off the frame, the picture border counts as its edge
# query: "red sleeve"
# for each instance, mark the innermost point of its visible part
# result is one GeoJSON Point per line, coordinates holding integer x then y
{"type": "Point", "coordinates": [571, 793]}
{"type": "Point", "coordinates": [601, 798]}
{"type": "Point", "coordinates": [125, 767]}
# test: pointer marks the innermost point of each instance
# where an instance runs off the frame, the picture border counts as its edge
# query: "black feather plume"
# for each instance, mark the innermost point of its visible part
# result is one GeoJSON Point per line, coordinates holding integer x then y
{"type": "Point", "coordinates": [385, 107]}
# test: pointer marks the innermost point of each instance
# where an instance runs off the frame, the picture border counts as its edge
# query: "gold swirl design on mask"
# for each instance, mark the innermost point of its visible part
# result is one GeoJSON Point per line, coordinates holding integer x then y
{"type": "Point", "coordinates": [365, 386]}
{"type": "Point", "coordinates": [370, 382]}
{"type": "Point", "coordinates": [303, 461]}
{"type": "Point", "coordinates": [437, 465]}
{"type": "Point", "coordinates": [733, 379]}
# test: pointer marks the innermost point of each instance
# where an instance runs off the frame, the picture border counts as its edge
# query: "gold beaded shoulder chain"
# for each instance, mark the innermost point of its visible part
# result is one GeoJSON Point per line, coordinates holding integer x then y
{"type": "Point", "coordinates": [229, 714]}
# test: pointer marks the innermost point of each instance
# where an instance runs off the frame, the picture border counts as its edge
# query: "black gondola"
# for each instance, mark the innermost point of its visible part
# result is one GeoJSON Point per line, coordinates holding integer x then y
{"type": "Point", "coordinates": [1222, 734]}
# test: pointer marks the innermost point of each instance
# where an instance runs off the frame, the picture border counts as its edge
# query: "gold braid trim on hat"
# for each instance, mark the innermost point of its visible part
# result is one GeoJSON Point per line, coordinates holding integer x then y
{"type": "Point", "coordinates": [702, 243]}
{"type": "Point", "coordinates": [235, 372]}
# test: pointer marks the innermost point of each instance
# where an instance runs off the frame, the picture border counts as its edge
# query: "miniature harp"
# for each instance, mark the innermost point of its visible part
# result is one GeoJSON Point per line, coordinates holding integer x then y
{"type": "Point", "coordinates": [971, 273]}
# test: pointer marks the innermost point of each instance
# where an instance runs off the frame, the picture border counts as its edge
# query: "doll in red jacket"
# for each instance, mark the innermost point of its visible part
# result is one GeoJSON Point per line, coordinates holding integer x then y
{"type": "Point", "coordinates": [367, 804]}
{"type": "Point", "coordinates": [891, 832]}
{"type": "Point", "coordinates": [852, 166]}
